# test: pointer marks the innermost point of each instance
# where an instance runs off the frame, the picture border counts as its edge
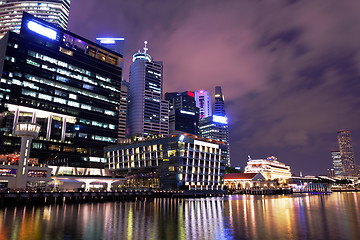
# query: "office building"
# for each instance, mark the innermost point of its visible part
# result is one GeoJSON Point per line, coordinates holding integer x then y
{"type": "Point", "coordinates": [148, 111]}
{"type": "Point", "coordinates": [337, 164]}
{"type": "Point", "coordinates": [53, 11]}
{"type": "Point", "coordinates": [270, 168]}
{"type": "Point", "coordinates": [346, 152]}
{"type": "Point", "coordinates": [184, 115]}
{"type": "Point", "coordinates": [177, 162]}
{"type": "Point", "coordinates": [215, 127]}
{"type": "Point", "coordinates": [203, 102]}
{"type": "Point", "coordinates": [67, 84]}
{"type": "Point", "coordinates": [124, 99]}
{"type": "Point", "coordinates": [219, 102]}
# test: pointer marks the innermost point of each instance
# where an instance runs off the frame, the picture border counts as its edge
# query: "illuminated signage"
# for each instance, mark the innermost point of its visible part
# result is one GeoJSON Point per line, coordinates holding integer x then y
{"type": "Point", "coordinates": [220, 119]}
{"type": "Point", "coordinates": [191, 94]}
{"type": "Point", "coordinates": [187, 112]}
{"type": "Point", "coordinates": [181, 138]}
{"type": "Point", "coordinates": [42, 30]}
{"type": "Point", "coordinates": [109, 40]}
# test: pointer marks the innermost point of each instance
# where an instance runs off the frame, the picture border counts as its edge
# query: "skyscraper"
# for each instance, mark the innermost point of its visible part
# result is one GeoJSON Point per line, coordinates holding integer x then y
{"type": "Point", "coordinates": [148, 111]}
{"type": "Point", "coordinates": [216, 126]}
{"type": "Point", "coordinates": [67, 84]}
{"type": "Point", "coordinates": [184, 115]}
{"type": "Point", "coordinates": [346, 152]}
{"type": "Point", "coordinates": [219, 102]}
{"type": "Point", "coordinates": [203, 102]}
{"type": "Point", "coordinates": [124, 99]}
{"type": "Point", "coordinates": [338, 168]}
{"type": "Point", "coordinates": [53, 11]}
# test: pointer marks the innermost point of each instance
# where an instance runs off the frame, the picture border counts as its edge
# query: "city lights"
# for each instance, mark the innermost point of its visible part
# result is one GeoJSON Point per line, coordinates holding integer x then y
{"type": "Point", "coordinates": [42, 30]}
{"type": "Point", "coordinates": [220, 119]}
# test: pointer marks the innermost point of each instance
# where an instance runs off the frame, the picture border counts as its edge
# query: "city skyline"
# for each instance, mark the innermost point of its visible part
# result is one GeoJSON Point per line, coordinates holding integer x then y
{"type": "Point", "coordinates": [286, 79]}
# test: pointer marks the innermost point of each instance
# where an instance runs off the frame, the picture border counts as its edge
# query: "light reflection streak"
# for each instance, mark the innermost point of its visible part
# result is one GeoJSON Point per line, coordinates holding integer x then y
{"type": "Point", "coordinates": [241, 217]}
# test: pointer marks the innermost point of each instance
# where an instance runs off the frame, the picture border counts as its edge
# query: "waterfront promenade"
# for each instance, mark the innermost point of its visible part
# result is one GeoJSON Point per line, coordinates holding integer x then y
{"type": "Point", "coordinates": [51, 197]}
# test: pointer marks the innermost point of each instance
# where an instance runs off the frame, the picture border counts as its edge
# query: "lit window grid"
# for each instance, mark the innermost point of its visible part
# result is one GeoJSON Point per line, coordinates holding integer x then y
{"type": "Point", "coordinates": [53, 12]}
{"type": "Point", "coordinates": [201, 165]}
{"type": "Point", "coordinates": [38, 80]}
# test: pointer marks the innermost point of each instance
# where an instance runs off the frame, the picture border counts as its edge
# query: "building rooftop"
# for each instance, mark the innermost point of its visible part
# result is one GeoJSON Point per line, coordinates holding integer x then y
{"type": "Point", "coordinates": [240, 176]}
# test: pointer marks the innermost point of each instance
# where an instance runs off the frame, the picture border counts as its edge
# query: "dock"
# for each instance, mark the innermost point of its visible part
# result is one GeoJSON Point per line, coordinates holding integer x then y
{"type": "Point", "coordinates": [58, 197]}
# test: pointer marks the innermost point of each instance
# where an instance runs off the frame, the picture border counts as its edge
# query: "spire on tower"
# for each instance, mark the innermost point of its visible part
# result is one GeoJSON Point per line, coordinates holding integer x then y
{"type": "Point", "coordinates": [145, 48]}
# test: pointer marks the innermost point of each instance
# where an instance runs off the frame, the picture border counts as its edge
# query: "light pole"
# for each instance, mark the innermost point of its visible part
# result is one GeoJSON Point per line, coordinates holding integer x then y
{"type": "Point", "coordinates": [27, 131]}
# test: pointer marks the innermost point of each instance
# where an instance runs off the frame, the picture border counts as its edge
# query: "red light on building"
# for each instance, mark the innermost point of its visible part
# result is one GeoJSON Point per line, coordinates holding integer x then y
{"type": "Point", "coordinates": [191, 94]}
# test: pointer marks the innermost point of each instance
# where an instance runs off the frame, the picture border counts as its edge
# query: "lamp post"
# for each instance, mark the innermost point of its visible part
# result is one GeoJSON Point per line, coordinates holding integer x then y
{"type": "Point", "coordinates": [27, 131]}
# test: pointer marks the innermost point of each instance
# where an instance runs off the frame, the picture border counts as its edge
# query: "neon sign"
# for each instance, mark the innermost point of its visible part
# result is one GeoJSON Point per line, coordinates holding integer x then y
{"type": "Point", "coordinates": [220, 119]}
{"type": "Point", "coordinates": [109, 40]}
{"type": "Point", "coordinates": [42, 30]}
{"type": "Point", "coordinates": [187, 112]}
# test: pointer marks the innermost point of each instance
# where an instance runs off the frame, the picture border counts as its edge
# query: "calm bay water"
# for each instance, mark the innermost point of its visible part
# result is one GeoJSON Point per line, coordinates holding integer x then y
{"type": "Point", "coordinates": [305, 216]}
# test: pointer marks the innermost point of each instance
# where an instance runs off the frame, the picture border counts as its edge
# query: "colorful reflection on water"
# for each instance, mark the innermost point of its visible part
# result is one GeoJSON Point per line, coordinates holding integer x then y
{"type": "Point", "coordinates": [335, 216]}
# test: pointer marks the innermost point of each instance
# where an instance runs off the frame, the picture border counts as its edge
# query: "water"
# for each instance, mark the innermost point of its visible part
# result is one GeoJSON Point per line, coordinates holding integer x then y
{"type": "Point", "coordinates": [334, 216]}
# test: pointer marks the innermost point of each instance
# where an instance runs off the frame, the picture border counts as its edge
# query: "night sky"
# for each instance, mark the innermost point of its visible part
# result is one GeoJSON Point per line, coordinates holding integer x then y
{"type": "Point", "coordinates": [289, 69]}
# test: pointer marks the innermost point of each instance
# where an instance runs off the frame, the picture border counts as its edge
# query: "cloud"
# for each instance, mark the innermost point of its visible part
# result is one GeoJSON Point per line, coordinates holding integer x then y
{"type": "Point", "coordinates": [289, 69]}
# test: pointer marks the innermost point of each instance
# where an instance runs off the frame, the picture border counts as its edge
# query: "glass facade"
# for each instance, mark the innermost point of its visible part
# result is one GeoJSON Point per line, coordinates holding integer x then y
{"type": "Point", "coordinates": [69, 85]}
{"type": "Point", "coordinates": [184, 115]}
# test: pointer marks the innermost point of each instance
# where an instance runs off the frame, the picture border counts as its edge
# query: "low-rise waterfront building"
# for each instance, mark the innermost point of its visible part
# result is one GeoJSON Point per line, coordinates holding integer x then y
{"type": "Point", "coordinates": [270, 168]}
{"type": "Point", "coordinates": [176, 162]}
{"type": "Point", "coordinates": [246, 180]}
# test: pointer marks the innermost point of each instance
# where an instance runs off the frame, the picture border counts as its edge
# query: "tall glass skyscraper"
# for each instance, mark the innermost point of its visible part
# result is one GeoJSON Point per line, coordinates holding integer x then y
{"type": "Point", "coordinates": [347, 153]}
{"type": "Point", "coordinates": [338, 169]}
{"type": "Point", "coordinates": [184, 115]}
{"type": "Point", "coordinates": [216, 126]}
{"type": "Point", "coordinates": [219, 102]}
{"type": "Point", "coordinates": [148, 111]}
{"type": "Point", "coordinates": [203, 102]}
{"type": "Point", "coordinates": [53, 11]}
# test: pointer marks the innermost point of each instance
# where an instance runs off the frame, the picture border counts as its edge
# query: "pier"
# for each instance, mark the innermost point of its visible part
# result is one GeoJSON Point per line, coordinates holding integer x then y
{"type": "Point", "coordinates": [57, 197]}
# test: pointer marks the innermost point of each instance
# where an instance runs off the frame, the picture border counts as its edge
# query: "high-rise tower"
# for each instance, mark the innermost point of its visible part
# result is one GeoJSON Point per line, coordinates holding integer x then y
{"type": "Point", "coordinates": [148, 111]}
{"type": "Point", "coordinates": [346, 152]}
{"type": "Point", "coordinates": [336, 158]}
{"type": "Point", "coordinates": [184, 115]}
{"type": "Point", "coordinates": [203, 102]}
{"type": "Point", "coordinates": [219, 102]}
{"type": "Point", "coordinates": [67, 84]}
{"type": "Point", "coordinates": [53, 11]}
{"type": "Point", "coordinates": [216, 126]}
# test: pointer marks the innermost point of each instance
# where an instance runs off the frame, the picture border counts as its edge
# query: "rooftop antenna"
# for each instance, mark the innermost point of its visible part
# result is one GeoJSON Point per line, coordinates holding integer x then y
{"type": "Point", "coordinates": [249, 158]}
{"type": "Point", "coordinates": [145, 48]}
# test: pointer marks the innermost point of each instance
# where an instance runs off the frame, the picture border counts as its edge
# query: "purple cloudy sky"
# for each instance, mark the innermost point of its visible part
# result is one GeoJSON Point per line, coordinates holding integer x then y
{"type": "Point", "coordinates": [289, 69]}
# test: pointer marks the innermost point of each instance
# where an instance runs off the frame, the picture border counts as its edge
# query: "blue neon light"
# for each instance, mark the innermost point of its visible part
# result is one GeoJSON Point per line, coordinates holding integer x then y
{"type": "Point", "coordinates": [187, 112]}
{"type": "Point", "coordinates": [220, 119]}
{"type": "Point", "coordinates": [109, 40]}
{"type": "Point", "coordinates": [181, 138]}
{"type": "Point", "coordinates": [42, 30]}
